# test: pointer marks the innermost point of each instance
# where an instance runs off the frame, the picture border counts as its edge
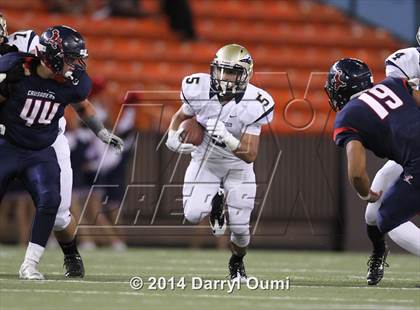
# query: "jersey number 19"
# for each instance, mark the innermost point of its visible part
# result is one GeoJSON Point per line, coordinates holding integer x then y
{"type": "Point", "coordinates": [384, 97]}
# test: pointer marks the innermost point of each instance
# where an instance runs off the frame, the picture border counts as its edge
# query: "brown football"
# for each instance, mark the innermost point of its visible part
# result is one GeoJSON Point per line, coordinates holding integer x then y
{"type": "Point", "coordinates": [193, 132]}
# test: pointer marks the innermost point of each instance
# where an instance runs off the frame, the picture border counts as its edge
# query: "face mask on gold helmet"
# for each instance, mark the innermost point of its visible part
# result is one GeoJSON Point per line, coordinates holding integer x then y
{"type": "Point", "coordinates": [418, 36]}
{"type": "Point", "coordinates": [3, 26]}
{"type": "Point", "coordinates": [231, 70]}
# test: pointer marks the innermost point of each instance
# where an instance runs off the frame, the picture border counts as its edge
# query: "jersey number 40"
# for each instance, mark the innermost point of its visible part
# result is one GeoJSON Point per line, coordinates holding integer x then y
{"type": "Point", "coordinates": [384, 97]}
{"type": "Point", "coordinates": [38, 111]}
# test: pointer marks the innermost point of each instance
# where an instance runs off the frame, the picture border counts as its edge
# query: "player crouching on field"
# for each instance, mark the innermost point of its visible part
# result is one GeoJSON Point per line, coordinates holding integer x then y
{"type": "Point", "coordinates": [384, 118]}
{"type": "Point", "coordinates": [232, 111]}
{"type": "Point", "coordinates": [403, 64]}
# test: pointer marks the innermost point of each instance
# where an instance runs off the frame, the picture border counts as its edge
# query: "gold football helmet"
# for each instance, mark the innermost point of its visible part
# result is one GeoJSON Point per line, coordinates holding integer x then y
{"type": "Point", "coordinates": [3, 26]}
{"type": "Point", "coordinates": [231, 70]}
{"type": "Point", "coordinates": [418, 36]}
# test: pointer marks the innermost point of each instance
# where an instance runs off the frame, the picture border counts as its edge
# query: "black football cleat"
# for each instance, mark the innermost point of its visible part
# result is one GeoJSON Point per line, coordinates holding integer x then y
{"type": "Point", "coordinates": [376, 266]}
{"type": "Point", "coordinates": [217, 215]}
{"type": "Point", "coordinates": [74, 266]}
{"type": "Point", "coordinates": [237, 271]}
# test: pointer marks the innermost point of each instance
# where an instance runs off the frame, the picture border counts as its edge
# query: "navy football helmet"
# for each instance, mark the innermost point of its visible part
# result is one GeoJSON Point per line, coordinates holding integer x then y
{"type": "Point", "coordinates": [347, 77]}
{"type": "Point", "coordinates": [59, 45]}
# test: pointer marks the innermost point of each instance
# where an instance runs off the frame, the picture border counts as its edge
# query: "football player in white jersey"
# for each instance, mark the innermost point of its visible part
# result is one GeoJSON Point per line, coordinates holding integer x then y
{"type": "Point", "coordinates": [65, 225]}
{"type": "Point", "coordinates": [405, 64]}
{"type": "Point", "coordinates": [232, 111]}
{"type": "Point", "coordinates": [22, 41]}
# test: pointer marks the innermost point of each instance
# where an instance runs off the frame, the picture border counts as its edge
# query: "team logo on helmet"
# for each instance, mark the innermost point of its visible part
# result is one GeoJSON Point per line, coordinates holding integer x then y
{"type": "Point", "coordinates": [337, 81]}
{"type": "Point", "coordinates": [55, 40]}
{"type": "Point", "coordinates": [247, 60]}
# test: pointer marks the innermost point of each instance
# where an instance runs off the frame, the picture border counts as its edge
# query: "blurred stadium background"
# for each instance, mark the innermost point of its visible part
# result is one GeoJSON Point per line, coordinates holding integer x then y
{"type": "Point", "coordinates": [147, 47]}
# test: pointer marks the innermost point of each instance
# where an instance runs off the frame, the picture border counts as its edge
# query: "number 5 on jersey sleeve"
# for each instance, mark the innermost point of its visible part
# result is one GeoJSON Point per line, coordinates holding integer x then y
{"type": "Point", "coordinates": [193, 80]}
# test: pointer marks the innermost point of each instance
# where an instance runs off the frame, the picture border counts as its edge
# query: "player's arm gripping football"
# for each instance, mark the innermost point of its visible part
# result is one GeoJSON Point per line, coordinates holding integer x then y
{"type": "Point", "coordinates": [173, 142]}
{"type": "Point", "coordinates": [356, 167]}
{"type": "Point", "coordinates": [87, 113]}
{"type": "Point", "coordinates": [246, 148]}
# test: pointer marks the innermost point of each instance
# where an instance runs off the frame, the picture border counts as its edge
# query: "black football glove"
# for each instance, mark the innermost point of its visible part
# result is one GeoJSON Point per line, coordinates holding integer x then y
{"type": "Point", "coordinates": [6, 48]}
{"type": "Point", "coordinates": [13, 75]}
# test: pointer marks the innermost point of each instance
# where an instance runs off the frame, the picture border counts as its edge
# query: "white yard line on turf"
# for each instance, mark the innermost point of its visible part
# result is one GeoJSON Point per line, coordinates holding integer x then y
{"type": "Point", "coordinates": [255, 270]}
{"type": "Point", "coordinates": [242, 297]}
{"type": "Point", "coordinates": [347, 307]}
{"type": "Point", "coordinates": [292, 286]}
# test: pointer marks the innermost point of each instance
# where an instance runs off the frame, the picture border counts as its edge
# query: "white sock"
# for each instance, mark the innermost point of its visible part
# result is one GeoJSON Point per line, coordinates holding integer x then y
{"type": "Point", "coordinates": [34, 253]}
{"type": "Point", "coordinates": [407, 236]}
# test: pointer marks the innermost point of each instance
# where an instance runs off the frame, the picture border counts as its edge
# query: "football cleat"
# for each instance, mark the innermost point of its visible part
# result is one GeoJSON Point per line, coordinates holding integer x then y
{"type": "Point", "coordinates": [74, 266]}
{"type": "Point", "coordinates": [217, 216]}
{"type": "Point", "coordinates": [29, 272]}
{"type": "Point", "coordinates": [376, 266]}
{"type": "Point", "coordinates": [237, 272]}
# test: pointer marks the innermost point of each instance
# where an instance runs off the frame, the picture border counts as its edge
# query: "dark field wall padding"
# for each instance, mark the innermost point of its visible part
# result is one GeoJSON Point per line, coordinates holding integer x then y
{"type": "Point", "coordinates": [298, 201]}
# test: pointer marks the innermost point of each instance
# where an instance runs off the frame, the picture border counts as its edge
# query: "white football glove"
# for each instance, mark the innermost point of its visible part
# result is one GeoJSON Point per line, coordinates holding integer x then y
{"type": "Point", "coordinates": [414, 83]}
{"type": "Point", "coordinates": [114, 141]}
{"type": "Point", "coordinates": [174, 143]}
{"type": "Point", "coordinates": [220, 134]}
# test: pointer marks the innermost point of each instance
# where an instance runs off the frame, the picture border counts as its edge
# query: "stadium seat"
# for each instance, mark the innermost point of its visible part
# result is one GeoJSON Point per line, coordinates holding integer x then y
{"type": "Point", "coordinates": [293, 44]}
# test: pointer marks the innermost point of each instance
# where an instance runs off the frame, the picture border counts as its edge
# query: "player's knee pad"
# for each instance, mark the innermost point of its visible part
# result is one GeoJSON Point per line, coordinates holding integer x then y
{"type": "Point", "coordinates": [49, 202]}
{"type": "Point", "coordinates": [193, 215]}
{"type": "Point", "coordinates": [241, 240]}
{"type": "Point", "coordinates": [389, 172]}
{"type": "Point", "coordinates": [371, 213]}
{"type": "Point", "coordinates": [62, 220]}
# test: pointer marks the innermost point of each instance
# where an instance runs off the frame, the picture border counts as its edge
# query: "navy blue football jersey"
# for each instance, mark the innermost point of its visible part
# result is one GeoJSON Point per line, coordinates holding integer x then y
{"type": "Point", "coordinates": [34, 105]}
{"type": "Point", "coordinates": [386, 120]}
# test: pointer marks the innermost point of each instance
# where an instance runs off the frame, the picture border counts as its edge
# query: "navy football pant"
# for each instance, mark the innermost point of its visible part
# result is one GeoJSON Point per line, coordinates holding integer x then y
{"type": "Point", "coordinates": [401, 203]}
{"type": "Point", "coordinates": [40, 173]}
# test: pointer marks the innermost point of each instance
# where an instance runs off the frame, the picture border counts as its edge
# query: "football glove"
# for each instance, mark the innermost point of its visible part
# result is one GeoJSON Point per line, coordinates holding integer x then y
{"type": "Point", "coordinates": [14, 74]}
{"type": "Point", "coordinates": [220, 134]}
{"type": "Point", "coordinates": [109, 138]}
{"type": "Point", "coordinates": [414, 83]}
{"type": "Point", "coordinates": [6, 48]}
{"type": "Point", "coordinates": [174, 143]}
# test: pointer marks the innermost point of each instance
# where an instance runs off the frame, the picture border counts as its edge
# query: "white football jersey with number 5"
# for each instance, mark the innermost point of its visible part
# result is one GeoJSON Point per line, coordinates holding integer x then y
{"type": "Point", "coordinates": [246, 113]}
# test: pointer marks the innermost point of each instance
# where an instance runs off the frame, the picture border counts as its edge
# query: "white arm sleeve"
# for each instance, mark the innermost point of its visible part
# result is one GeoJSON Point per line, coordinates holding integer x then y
{"type": "Point", "coordinates": [186, 109]}
{"type": "Point", "coordinates": [253, 129]}
{"type": "Point", "coordinates": [25, 41]}
{"type": "Point", "coordinates": [191, 88]}
{"type": "Point", "coordinates": [404, 63]}
{"type": "Point", "coordinates": [259, 112]}
{"type": "Point", "coordinates": [186, 106]}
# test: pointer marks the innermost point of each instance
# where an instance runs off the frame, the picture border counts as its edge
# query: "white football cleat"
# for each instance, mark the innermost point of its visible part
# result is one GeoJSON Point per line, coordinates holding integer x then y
{"type": "Point", "coordinates": [241, 278]}
{"type": "Point", "coordinates": [29, 272]}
